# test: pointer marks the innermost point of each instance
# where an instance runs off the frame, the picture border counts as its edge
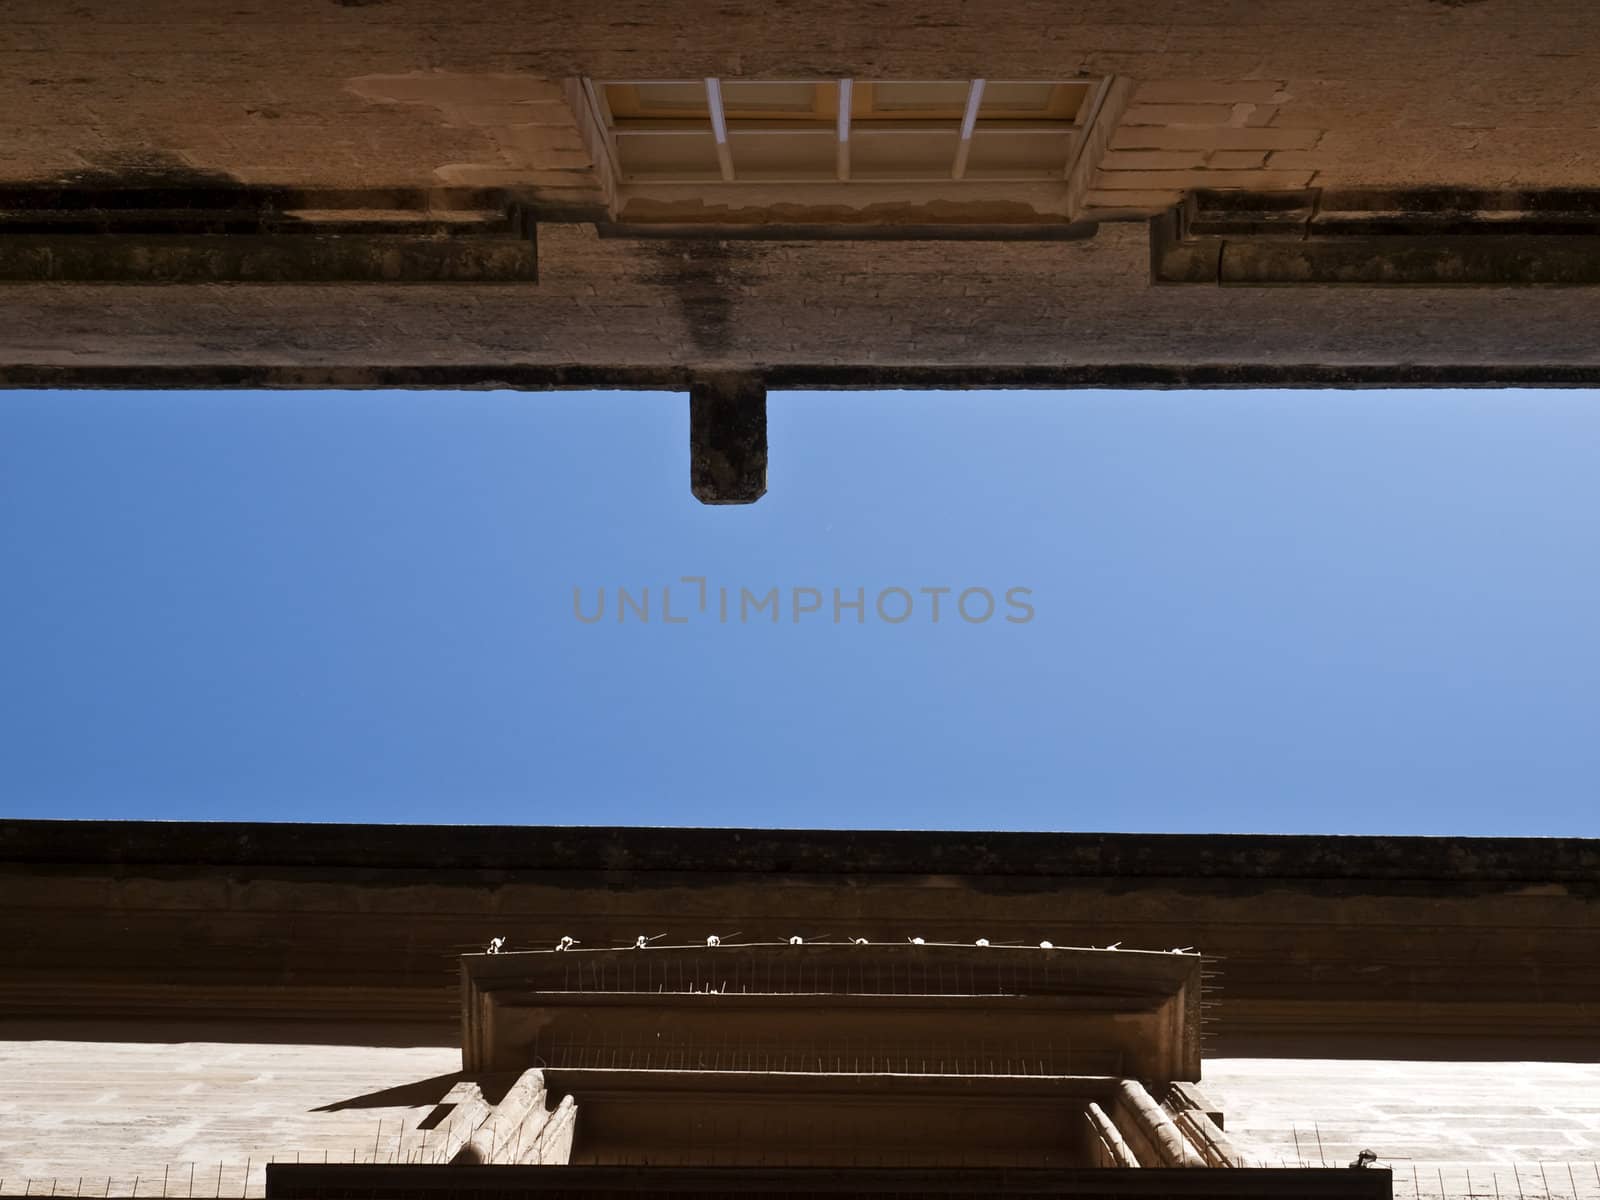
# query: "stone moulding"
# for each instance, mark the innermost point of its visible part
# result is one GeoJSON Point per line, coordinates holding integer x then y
{"type": "Point", "coordinates": [289, 1181]}
{"type": "Point", "coordinates": [233, 234]}
{"type": "Point", "coordinates": [1373, 238]}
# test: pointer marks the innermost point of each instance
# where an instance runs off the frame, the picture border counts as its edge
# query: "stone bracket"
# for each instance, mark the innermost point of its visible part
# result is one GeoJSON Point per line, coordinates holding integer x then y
{"type": "Point", "coordinates": [728, 439]}
{"type": "Point", "coordinates": [518, 1130]}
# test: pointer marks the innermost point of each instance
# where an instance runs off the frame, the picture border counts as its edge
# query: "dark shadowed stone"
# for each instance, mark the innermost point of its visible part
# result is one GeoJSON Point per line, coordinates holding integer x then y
{"type": "Point", "coordinates": [728, 439]}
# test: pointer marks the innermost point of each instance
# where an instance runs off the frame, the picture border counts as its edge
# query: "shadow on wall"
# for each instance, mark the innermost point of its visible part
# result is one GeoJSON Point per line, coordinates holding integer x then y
{"type": "Point", "coordinates": [424, 1091]}
{"type": "Point", "coordinates": [493, 1084]}
{"type": "Point", "coordinates": [390, 1035]}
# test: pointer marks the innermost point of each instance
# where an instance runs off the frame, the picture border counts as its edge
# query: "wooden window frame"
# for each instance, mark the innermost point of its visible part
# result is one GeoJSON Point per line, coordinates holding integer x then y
{"type": "Point", "coordinates": [848, 109]}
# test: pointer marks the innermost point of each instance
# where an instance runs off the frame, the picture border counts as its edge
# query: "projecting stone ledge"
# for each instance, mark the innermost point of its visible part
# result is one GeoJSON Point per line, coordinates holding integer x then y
{"type": "Point", "coordinates": [1425, 237]}
{"type": "Point", "coordinates": [219, 232]}
{"type": "Point", "coordinates": [728, 439]}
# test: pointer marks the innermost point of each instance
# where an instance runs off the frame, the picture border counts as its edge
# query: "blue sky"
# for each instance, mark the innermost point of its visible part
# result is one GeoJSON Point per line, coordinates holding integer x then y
{"type": "Point", "coordinates": [1280, 612]}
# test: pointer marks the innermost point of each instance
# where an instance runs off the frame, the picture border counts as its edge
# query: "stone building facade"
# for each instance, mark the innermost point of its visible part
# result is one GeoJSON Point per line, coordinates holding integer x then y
{"type": "Point", "coordinates": [354, 193]}
{"type": "Point", "coordinates": [309, 1011]}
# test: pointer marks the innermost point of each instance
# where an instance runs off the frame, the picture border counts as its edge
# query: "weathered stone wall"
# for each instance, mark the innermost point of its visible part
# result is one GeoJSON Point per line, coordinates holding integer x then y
{"type": "Point", "coordinates": [643, 313]}
{"type": "Point", "coordinates": [418, 93]}
{"type": "Point", "coordinates": [412, 91]}
{"type": "Point", "coordinates": [1508, 1129]}
{"type": "Point", "coordinates": [110, 1112]}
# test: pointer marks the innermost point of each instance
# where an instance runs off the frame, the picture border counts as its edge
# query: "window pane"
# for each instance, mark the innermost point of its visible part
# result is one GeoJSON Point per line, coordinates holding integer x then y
{"type": "Point", "coordinates": [780, 155]}
{"type": "Point", "coordinates": [1031, 101]}
{"type": "Point", "coordinates": [659, 155]}
{"type": "Point", "coordinates": [686, 98]}
{"type": "Point", "coordinates": [912, 100]}
{"type": "Point", "coordinates": [903, 154]}
{"type": "Point", "coordinates": [794, 101]}
{"type": "Point", "coordinates": [1019, 153]}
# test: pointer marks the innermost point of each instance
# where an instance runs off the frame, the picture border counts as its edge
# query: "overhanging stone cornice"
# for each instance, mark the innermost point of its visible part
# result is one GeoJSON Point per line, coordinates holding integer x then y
{"type": "Point", "coordinates": [922, 1009]}
{"type": "Point", "coordinates": [441, 851]}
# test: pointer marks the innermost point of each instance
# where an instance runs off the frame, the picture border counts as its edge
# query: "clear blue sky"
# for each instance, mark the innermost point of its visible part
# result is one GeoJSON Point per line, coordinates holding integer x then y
{"type": "Point", "coordinates": [1281, 612]}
